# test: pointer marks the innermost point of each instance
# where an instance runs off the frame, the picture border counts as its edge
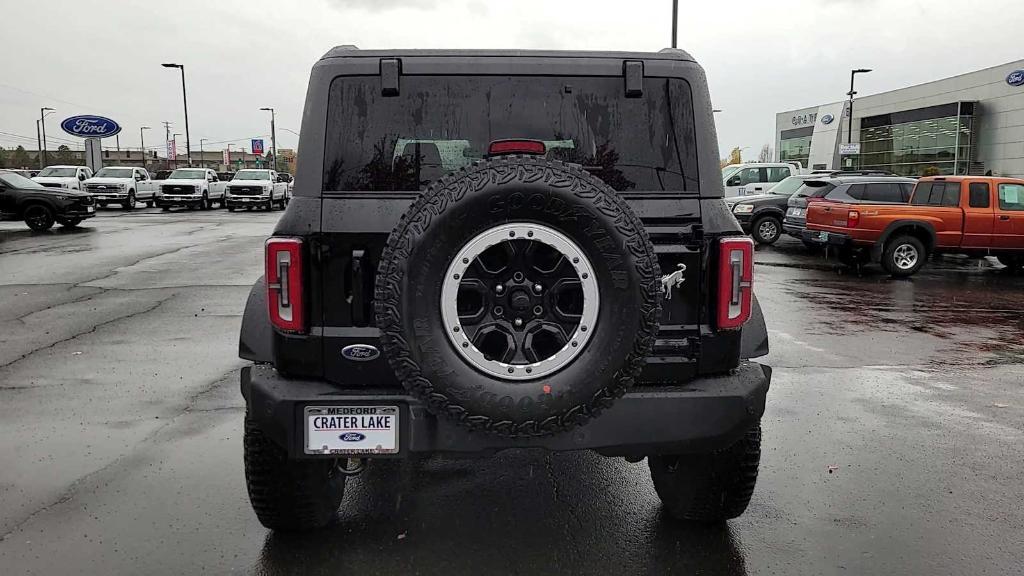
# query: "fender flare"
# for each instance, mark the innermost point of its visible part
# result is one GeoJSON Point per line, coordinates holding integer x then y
{"type": "Point", "coordinates": [256, 338]}
{"type": "Point", "coordinates": [768, 211]}
{"type": "Point", "coordinates": [754, 337]}
{"type": "Point", "coordinates": [876, 250]}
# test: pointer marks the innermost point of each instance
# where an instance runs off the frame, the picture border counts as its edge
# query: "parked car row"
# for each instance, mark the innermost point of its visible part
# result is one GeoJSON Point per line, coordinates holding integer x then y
{"type": "Point", "coordinates": [67, 195]}
{"type": "Point", "coordinates": [876, 217]}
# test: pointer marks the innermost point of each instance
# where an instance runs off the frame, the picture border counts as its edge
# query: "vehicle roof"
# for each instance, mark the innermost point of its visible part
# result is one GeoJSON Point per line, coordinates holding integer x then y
{"type": "Point", "coordinates": [66, 166]}
{"type": "Point", "coordinates": [967, 178]}
{"type": "Point", "coordinates": [840, 179]}
{"type": "Point", "coordinates": [349, 50]}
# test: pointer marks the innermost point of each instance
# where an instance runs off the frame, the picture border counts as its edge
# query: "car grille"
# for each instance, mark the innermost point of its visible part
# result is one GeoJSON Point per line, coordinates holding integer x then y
{"type": "Point", "coordinates": [175, 189]}
{"type": "Point", "coordinates": [52, 185]}
{"type": "Point", "coordinates": [102, 188]}
{"type": "Point", "coordinates": [245, 190]}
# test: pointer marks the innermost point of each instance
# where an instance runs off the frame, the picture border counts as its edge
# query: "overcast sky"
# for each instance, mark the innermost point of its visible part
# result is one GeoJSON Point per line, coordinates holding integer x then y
{"type": "Point", "coordinates": [103, 57]}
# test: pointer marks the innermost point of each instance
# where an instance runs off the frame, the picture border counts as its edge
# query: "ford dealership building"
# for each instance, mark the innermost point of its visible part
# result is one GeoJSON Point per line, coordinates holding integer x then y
{"type": "Point", "coordinates": [968, 124]}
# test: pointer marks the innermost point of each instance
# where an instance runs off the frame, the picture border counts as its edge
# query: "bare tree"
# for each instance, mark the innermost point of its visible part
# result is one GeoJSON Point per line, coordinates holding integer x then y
{"type": "Point", "coordinates": [766, 154]}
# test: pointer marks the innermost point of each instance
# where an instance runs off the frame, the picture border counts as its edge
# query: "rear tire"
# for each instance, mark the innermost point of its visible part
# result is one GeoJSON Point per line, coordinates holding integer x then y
{"type": "Point", "coordinates": [766, 230]}
{"type": "Point", "coordinates": [904, 256]}
{"type": "Point", "coordinates": [709, 488]}
{"type": "Point", "coordinates": [289, 495]}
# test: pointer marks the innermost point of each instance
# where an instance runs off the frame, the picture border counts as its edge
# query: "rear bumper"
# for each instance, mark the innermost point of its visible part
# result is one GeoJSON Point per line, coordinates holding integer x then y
{"type": "Point", "coordinates": [794, 227]}
{"type": "Point", "coordinates": [833, 239]}
{"type": "Point", "coordinates": [706, 414]}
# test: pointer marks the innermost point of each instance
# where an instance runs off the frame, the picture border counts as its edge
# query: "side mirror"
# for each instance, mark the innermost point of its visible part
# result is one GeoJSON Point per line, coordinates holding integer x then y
{"type": "Point", "coordinates": [81, 176]}
{"type": "Point", "coordinates": [734, 181]}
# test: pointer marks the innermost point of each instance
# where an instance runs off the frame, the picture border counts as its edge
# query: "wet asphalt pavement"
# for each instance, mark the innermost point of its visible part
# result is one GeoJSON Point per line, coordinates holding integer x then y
{"type": "Point", "coordinates": [893, 438]}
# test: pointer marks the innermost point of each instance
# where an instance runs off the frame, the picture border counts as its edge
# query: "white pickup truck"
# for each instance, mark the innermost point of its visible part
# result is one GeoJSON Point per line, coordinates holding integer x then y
{"type": "Point", "coordinates": [191, 187]}
{"type": "Point", "coordinates": [67, 177]}
{"type": "Point", "coordinates": [124, 185]}
{"type": "Point", "coordinates": [257, 188]}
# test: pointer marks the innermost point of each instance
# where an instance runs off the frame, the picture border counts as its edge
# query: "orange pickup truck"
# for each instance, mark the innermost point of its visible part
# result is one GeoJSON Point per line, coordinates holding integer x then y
{"type": "Point", "coordinates": [972, 215]}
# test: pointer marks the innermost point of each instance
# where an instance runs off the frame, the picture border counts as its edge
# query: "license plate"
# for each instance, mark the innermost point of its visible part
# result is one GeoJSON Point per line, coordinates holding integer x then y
{"type": "Point", "coordinates": [823, 236]}
{"type": "Point", "coordinates": [351, 429]}
{"type": "Point", "coordinates": [90, 209]}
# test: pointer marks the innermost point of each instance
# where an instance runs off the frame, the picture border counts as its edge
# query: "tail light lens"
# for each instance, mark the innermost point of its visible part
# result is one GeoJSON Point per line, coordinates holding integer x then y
{"type": "Point", "coordinates": [284, 284]}
{"type": "Point", "coordinates": [735, 281]}
{"type": "Point", "coordinates": [852, 219]}
{"type": "Point", "coordinates": [499, 147]}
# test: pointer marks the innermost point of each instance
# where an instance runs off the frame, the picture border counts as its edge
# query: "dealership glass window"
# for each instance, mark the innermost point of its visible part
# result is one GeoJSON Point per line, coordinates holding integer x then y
{"type": "Point", "coordinates": [920, 144]}
{"type": "Point", "coordinates": [796, 149]}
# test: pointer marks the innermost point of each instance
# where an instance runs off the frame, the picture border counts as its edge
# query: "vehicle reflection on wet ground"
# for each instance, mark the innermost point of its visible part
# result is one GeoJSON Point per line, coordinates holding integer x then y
{"type": "Point", "coordinates": [893, 439]}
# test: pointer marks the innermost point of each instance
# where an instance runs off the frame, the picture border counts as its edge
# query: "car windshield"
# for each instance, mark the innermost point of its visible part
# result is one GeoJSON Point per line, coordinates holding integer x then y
{"type": "Point", "coordinates": [114, 173]}
{"type": "Point", "coordinates": [787, 186]}
{"type": "Point", "coordinates": [188, 174]}
{"type": "Point", "coordinates": [15, 180]}
{"type": "Point", "coordinates": [252, 175]}
{"type": "Point", "coordinates": [438, 124]}
{"type": "Point", "coordinates": [58, 172]}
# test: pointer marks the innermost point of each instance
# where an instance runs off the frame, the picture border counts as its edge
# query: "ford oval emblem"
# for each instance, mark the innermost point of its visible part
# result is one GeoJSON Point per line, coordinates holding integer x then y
{"type": "Point", "coordinates": [827, 119]}
{"type": "Point", "coordinates": [352, 437]}
{"type": "Point", "coordinates": [1016, 78]}
{"type": "Point", "coordinates": [360, 352]}
{"type": "Point", "coordinates": [90, 126]}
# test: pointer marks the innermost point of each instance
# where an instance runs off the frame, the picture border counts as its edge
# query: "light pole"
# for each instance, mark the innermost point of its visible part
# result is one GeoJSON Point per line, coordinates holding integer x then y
{"type": "Point", "coordinates": [184, 98]}
{"type": "Point", "coordinates": [851, 93]}
{"type": "Point", "coordinates": [201, 140]}
{"type": "Point", "coordinates": [174, 138]}
{"type": "Point", "coordinates": [675, 20]}
{"type": "Point", "coordinates": [43, 113]}
{"type": "Point", "coordinates": [142, 144]}
{"type": "Point", "coordinates": [273, 134]}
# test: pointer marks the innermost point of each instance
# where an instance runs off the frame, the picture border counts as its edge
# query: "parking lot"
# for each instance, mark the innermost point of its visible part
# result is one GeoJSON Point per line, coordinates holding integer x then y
{"type": "Point", "coordinates": [892, 438]}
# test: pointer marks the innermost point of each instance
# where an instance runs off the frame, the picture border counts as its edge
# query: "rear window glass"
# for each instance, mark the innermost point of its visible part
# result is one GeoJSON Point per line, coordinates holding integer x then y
{"type": "Point", "coordinates": [438, 124]}
{"type": "Point", "coordinates": [979, 195]}
{"type": "Point", "coordinates": [814, 188]}
{"type": "Point", "coordinates": [951, 194]}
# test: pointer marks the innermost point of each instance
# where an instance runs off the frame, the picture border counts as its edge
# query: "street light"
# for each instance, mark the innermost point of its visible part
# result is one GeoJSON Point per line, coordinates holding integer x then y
{"type": "Point", "coordinates": [184, 98]}
{"type": "Point", "coordinates": [43, 113]}
{"type": "Point", "coordinates": [201, 140]}
{"type": "Point", "coordinates": [273, 134]}
{"type": "Point", "coordinates": [142, 143]}
{"type": "Point", "coordinates": [675, 20]}
{"type": "Point", "coordinates": [851, 93]}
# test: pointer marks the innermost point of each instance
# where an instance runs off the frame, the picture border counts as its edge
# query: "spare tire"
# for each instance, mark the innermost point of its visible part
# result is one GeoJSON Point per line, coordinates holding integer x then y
{"type": "Point", "coordinates": [518, 296]}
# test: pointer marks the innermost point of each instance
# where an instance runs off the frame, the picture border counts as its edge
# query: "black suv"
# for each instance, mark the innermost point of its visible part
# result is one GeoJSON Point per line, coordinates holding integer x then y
{"type": "Point", "coordinates": [504, 249]}
{"type": "Point", "coordinates": [761, 215]}
{"type": "Point", "coordinates": [40, 207]}
{"type": "Point", "coordinates": [853, 186]}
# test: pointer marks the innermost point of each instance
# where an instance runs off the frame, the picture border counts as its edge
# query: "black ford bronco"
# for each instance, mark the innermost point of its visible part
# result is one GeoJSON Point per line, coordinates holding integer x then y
{"type": "Point", "coordinates": [504, 249]}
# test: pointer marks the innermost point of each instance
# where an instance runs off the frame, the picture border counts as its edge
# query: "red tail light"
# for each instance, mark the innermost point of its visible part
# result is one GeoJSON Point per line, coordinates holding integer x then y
{"type": "Point", "coordinates": [735, 281]}
{"type": "Point", "coordinates": [284, 284]}
{"type": "Point", "coordinates": [852, 219]}
{"type": "Point", "coordinates": [499, 147]}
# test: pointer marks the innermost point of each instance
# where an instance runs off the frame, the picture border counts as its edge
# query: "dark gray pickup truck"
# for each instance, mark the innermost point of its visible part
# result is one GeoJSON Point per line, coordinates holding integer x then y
{"type": "Point", "coordinates": [504, 249]}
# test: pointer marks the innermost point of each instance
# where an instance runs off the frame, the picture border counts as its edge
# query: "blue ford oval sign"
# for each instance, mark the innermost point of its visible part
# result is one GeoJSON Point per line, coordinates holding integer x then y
{"type": "Point", "coordinates": [360, 352]}
{"type": "Point", "coordinates": [88, 126]}
{"type": "Point", "coordinates": [352, 437]}
{"type": "Point", "coordinates": [1016, 78]}
{"type": "Point", "coordinates": [827, 119]}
